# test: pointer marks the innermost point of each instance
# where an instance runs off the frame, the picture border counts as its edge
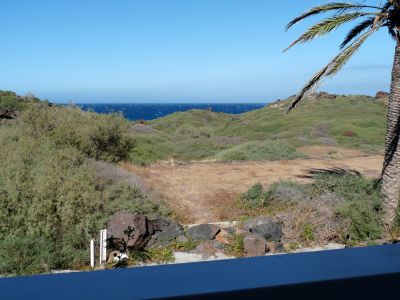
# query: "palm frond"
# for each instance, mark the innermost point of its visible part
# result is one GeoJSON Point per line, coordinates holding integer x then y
{"type": "Point", "coordinates": [339, 7]}
{"type": "Point", "coordinates": [326, 26]}
{"type": "Point", "coordinates": [357, 30]}
{"type": "Point", "coordinates": [333, 67]}
{"type": "Point", "coordinates": [393, 33]}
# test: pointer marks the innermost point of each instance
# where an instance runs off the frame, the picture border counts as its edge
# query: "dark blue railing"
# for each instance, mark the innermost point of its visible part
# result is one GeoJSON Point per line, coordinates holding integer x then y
{"type": "Point", "coordinates": [359, 273]}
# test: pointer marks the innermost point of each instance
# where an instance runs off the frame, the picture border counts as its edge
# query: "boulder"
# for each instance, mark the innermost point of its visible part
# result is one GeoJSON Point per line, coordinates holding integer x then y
{"type": "Point", "coordinates": [134, 229]}
{"type": "Point", "coordinates": [254, 245]}
{"type": "Point", "coordinates": [264, 226]}
{"type": "Point", "coordinates": [223, 236]}
{"type": "Point", "coordinates": [166, 230]}
{"type": "Point", "coordinates": [203, 232]}
{"type": "Point", "coordinates": [208, 248]}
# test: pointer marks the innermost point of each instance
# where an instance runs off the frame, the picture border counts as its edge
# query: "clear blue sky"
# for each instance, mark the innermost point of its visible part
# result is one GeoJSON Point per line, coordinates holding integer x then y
{"type": "Point", "coordinates": [172, 51]}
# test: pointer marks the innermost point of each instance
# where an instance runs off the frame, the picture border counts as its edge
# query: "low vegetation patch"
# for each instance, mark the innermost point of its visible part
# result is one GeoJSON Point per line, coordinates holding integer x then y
{"type": "Point", "coordinates": [257, 150]}
{"type": "Point", "coordinates": [236, 245]}
{"type": "Point", "coordinates": [337, 206]}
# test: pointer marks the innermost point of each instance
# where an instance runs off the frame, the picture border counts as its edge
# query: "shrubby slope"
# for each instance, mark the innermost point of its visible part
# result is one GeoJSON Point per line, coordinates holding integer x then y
{"type": "Point", "coordinates": [53, 199]}
{"type": "Point", "coordinates": [347, 121]}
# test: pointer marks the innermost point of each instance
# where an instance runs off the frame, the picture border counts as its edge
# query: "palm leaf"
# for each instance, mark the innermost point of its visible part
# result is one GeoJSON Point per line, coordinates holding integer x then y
{"type": "Point", "coordinates": [340, 7]}
{"type": "Point", "coordinates": [356, 31]}
{"type": "Point", "coordinates": [333, 67]}
{"type": "Point", "coordinates": [326, 26]}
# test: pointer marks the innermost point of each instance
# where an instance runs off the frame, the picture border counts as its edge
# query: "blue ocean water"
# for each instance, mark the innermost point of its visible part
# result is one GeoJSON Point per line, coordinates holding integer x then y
{"type": "Point", "coordinates": [150, 111]}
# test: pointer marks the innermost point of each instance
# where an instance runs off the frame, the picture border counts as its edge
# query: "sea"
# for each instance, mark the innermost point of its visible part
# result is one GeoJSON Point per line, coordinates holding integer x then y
{"type": "Point", "coordinates": [150, 111]}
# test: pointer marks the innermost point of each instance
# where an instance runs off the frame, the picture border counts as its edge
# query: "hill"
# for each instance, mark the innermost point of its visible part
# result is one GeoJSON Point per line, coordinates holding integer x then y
{"type": "Point", "coordinates": [268, 133]}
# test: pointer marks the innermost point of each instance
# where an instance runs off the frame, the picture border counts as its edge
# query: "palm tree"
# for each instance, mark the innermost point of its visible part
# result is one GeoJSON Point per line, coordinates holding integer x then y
{"type": "Point", "coordinates": [371, 19]}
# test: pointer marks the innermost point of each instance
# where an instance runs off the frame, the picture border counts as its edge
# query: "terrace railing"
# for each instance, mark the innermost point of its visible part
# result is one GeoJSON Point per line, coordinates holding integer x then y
{"type": "Point", "coordinates": [359, 273]}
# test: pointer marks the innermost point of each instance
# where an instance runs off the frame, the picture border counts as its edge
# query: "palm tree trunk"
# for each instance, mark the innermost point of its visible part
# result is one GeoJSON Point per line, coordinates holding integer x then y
{"type": "Point", "coordinates": [391, 166]}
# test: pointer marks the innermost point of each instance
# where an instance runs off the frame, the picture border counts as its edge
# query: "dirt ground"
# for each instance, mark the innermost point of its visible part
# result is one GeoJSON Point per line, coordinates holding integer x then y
{"type": "Point", "coordinates": [188, 188]}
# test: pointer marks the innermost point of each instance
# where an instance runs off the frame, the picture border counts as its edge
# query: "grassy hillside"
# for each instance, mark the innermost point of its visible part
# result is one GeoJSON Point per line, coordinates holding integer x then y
{"type": "Point", "coordinates": [264, 134]}
{"type": "Point", "coordinates": [55, 192]}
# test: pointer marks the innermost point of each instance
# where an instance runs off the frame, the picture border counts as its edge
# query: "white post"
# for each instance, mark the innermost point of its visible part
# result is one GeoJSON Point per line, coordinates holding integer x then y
{"type": "Point", "coordinates": [103, 246]}
{"type": "Point", "coordinates": [92, 253]}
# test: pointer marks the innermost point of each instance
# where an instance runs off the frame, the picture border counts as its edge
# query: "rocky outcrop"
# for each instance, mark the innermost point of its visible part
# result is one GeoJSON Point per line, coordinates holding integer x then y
{"type": "Point", "coordinates": [132, 230]}
{"type": "Point", "coordinates": [264, 226]}
{"type": "Point", "coordinates": [166, 231]}
{"type": "Point", "coordinates": [383, 97]}
{"type": "Point", "coordinates": [322, 95]}
{"type": "Point", "coordinates": [203, 232]}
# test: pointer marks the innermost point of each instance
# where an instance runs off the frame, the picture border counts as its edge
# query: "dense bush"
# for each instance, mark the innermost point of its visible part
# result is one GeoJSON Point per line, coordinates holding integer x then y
{"type": "Point", "coordinates": [254, 197]}
{"type": "Point", "coordinates": [97, 136]}
{"type": "Point", "coordinates": [363, 205]}
{"type": "Point", "coordinates": [51, 201]}
{"type": "Point", "coordinates": [10, 101]}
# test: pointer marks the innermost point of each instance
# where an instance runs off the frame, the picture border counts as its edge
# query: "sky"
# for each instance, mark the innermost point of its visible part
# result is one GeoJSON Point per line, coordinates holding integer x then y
{"type": "Point", "coordinates": [173, 51]}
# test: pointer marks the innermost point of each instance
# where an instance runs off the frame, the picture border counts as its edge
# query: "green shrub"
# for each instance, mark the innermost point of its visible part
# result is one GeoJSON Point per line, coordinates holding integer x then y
{"type": "Point", "coordinates": [363, 206]}
{"type": "Point", "coordinates": [97, 136]}
{"type": "Point", "coordinates": [308, 232]}
{"type": "Point", "coordinates": [160, 255]}
{"type": "Point", "coordinates": [254, 197]}
{"type": "Point", "coordinates": [188, 245]}
{"type": "Point", "coordinates": [51, 202]}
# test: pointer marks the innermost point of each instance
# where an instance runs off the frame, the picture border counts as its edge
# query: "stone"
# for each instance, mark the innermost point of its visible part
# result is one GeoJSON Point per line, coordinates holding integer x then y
{"type": "Point", "coordinates": [182, 239]}
{"type": "Point", "coordinates": [206, 249]}
{"type": "Point", "coordinates": [209, 248]}
{"type": "Point", "coordinates": [203, 232]}
{"type": "Point", "coordinates": [223, 236]}
{"type": "Point", "coordinates": [264, 226]}
{"type": "Point", "coordinates": [134, 229]}
{"type": "Point", "coordinates": [166, 231]}
{"type": "Point", "coordinates": [275, 247]}
{"type": "Point", "coordinates": [254, 245]}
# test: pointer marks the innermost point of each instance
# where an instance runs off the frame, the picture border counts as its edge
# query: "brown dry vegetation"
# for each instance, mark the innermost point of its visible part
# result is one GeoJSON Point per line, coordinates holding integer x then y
{"type": "Point", "coordinates": [208, 191]}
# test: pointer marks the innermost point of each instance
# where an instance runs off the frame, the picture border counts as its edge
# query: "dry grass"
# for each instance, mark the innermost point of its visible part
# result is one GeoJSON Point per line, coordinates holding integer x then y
{"type": "Point", "coordinates": [226, 206]}
{"type": "Point", "coordinates": [311, 223]}
{"type": "Point", "coordinates": [206, 191]}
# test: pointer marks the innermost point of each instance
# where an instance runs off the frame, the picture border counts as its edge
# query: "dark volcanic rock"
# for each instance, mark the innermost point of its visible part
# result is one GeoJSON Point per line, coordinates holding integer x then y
{"type": "Point", "coordinates": [203, 232]}
{"type": "Point", "coordinates": [165, 231]}
{"type": "Point", "coordinates": [134, 229]}
{"type": "Point", "coordinates": [265, 227]}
